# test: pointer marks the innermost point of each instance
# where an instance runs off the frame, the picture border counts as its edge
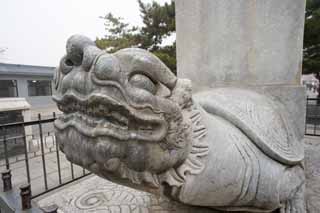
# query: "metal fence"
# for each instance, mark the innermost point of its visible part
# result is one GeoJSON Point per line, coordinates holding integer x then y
{"type": "Point", "coordinates": [40, 163]}
{"type": "Point", "coordinates": [312, 126]}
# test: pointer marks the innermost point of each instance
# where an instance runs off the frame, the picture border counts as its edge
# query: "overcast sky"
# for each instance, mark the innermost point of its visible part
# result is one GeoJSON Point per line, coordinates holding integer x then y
{"type": "Point", "coordinates": [35, 31]}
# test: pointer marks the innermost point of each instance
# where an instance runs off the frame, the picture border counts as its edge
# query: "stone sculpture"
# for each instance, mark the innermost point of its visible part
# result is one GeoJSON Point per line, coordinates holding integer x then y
{"type": "Point", "coordinates": [128, 119]}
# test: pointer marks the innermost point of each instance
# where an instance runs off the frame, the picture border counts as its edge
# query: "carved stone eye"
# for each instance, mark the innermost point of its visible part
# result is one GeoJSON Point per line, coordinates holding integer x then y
{"type": "Point", "coordinates": [143, 82]}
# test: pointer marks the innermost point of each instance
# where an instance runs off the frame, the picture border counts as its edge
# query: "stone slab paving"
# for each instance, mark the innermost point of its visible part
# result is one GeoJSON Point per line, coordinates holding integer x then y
{"type": "Point", "coordinates": [19, 172]}
{"type": "Point", "coordinates": [95, 194]}
{"type": "Point", "coordinates": [312, 164]}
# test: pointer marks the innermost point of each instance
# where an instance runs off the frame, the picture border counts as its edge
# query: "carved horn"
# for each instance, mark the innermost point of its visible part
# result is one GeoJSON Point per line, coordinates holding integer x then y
{"type": "Point", "coordinates": [81, 51]}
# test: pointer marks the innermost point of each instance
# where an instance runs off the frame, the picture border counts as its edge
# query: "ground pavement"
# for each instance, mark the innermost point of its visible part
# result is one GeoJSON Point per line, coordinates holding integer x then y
{"type": "Point", "coordinates": [19, 172]}
{"type": "Point", "coordinates": [94, 194]}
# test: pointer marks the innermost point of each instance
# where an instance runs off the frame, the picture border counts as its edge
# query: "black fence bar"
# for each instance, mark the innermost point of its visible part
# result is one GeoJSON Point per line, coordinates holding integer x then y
{"type": "Point", "coordinates": [58, 157]}
{"type": "Point", "coordinates": [42, 154]}
{"type": "Point", "coordinates": [72, 171]}
{"type": "Point", "coordinates": [312, 126]}
{"type": "Point", "coordinates": [26, 157]}
{"type": "Point", "coordinates": [6, 148]}
{"type": "Point", "coordinates": [27, 123]}
{"type": "Point", "coordinates": [39, 148]}
{"type": "Point", "coordinates": [58, 163]}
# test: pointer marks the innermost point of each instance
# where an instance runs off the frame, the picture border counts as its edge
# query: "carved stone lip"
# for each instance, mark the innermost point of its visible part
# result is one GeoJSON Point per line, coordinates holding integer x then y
{"type": "Point", "coordinates": [98, 115]}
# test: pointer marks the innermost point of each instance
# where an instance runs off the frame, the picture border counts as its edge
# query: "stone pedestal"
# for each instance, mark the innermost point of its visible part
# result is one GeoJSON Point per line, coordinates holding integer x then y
{"type": "Point", "coordinates": [244, 43]}
{"type": "Point", "coordinates": [253, 44]}
{"type": "Point", "coordinates": [247, 42]}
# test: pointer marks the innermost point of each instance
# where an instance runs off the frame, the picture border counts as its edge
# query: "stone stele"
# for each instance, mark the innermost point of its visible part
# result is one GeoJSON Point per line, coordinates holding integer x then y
{"type": "Point", "coordinates": [128, 119]}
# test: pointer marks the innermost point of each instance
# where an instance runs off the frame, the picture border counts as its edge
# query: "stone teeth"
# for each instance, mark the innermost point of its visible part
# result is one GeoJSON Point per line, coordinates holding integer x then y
{"type": "Point", "coordinates": [120, 118]}
{"type": "Point", "coordinates": [96, 114]}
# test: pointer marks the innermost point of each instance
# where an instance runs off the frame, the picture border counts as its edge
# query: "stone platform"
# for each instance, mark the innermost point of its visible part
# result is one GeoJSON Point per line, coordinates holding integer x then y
{"type": "Point", "coordinates": [95, 194]}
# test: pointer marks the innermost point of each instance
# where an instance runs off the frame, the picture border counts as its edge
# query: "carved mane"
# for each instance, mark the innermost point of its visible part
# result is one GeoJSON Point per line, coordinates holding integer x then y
{"type": "Point", "coordinates": [194, 164]}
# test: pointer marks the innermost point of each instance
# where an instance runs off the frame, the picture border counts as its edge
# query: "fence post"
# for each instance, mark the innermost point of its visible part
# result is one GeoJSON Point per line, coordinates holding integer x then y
{"type": "Point", "coordinates": [58, 155]}
{"type": "Point", "coordinates": [5, 148]}
{"type": "Point", "coordinates": [6, 179]}
{"type": "Point", "coordinates": [42, 153]}
{"type": "Point", "coordinates": [25, 194]}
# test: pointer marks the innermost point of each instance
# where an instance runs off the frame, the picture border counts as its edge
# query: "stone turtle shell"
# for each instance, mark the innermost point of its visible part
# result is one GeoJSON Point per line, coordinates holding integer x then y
{"type": "Point", "coordinates": [263, 120]}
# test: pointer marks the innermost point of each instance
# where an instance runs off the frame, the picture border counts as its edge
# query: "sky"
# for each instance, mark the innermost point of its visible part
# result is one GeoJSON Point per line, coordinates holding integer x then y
{"type": "Point", "coordinates": [35, 32]}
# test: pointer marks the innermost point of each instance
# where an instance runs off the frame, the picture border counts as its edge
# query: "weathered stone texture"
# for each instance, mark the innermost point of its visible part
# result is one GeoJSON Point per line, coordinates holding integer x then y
{"type": "Point", "coordinates": [239, 41]}
{"type": "Point", "coordinates": [312, 165]}
{"type": "Point", "coordinates": [96, 194]}
{"type": "Point", "coordinates": [127, 118]}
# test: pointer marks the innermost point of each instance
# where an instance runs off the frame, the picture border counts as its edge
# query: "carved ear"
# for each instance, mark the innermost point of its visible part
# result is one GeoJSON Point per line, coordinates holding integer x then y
{"type": "Point", "coordinates": [182, 92]}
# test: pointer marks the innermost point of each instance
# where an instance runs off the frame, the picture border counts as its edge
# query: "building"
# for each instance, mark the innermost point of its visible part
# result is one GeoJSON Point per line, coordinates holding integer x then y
{"type": "Point", "coordinates": [26, 89]}
{"type": "Point", "coordinates": [312, 84]}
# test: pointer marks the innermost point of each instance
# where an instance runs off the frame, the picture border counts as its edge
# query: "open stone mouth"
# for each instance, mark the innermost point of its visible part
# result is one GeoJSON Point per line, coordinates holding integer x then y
{"type": "Point", "coordinates": [98, 115]}
{"type": "Point", "coordinates": [104, 119]}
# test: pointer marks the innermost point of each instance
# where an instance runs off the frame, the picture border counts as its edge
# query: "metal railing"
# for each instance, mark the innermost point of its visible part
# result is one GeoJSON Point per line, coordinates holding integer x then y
{"type": "Point", "coordinates": [312, 126]}
{"type": "Point", "coordinates": [39, 147]}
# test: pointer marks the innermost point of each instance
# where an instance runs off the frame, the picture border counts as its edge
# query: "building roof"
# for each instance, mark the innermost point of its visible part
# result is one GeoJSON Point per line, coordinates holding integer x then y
{"type": "Point", "coordinates": [26, 70]}
{"type": "Point", "coordinates": [9, 104]}
{"type": "Point", "coordinates": [309, 77]}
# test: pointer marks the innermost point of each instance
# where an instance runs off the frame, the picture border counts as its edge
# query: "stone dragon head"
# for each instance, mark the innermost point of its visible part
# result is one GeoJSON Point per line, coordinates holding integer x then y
{"type": "Point", "coordinates": [125, 115]}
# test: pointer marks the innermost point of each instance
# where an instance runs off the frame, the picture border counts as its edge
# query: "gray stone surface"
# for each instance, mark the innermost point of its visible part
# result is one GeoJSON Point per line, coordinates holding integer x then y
{"type": "Point", "coordinates": [127, 118]}
{"type": "Point", "coordinates": [95, 194]}
{"type": "Point", "coordinates": [312, 165]}
{"type": "Point", "coordinates": [99, 195]}
{"type": "Point", "coordinates": [239, 41]}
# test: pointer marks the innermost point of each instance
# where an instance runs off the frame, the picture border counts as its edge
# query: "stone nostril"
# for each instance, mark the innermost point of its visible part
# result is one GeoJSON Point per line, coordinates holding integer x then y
{"type": "Point", "coordinates": [75, 48]}
{"type": "Point", "coordinates": [69, 62]}
{"type": "Point", "coordinates": [75, 56]}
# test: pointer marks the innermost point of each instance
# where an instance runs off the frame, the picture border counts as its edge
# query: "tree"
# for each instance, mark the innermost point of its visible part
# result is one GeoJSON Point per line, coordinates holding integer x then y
{"type": "Point", "coordinates": [158, 24]}
{"type": "Point", "coordinates": [311, 50]}
{"type": "Point", "coordinates": [119, 34]}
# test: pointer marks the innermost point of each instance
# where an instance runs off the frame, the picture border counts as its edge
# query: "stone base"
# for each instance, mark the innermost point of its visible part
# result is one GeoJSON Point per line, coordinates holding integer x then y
{"type": "Point", "coordinates": [95, 194]}
{"type": "Point", "coordinates": [312, 164]}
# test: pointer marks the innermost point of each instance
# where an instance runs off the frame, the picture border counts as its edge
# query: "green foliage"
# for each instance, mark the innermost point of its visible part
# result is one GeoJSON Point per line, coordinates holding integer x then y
{"type": "Point", "coordinates": [119, 34]}
{"type": "Point", "coordinates": [158, 23]}
{"type": "Point", "coordinates": [311, 52]}
{"type": "Point", "coordinates": [167, 55]}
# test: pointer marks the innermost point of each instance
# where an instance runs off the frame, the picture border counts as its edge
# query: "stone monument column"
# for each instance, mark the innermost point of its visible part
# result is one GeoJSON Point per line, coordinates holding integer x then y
{"type": "Point", "coordinates": [244, 43]}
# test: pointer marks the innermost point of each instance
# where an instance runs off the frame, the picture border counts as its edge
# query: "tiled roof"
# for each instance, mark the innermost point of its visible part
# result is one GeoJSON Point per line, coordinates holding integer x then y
{"type": "Point", "coordinates": [26, 70]}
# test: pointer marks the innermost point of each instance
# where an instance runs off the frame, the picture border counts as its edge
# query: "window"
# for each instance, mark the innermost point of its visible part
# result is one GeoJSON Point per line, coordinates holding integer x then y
{"type": "Point", "coordinates": [39, 88]}
{"type": "Point", "coordinates": [11, 117]}
{"type": "Point", "coordinates": [14, 135]}
{"type": "Point", "coordinates": [8, 88]}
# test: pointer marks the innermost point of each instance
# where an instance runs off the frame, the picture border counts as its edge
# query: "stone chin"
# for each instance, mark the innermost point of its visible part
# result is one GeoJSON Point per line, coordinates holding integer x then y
{"type": "Point", "coordinates": [119, 120]}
